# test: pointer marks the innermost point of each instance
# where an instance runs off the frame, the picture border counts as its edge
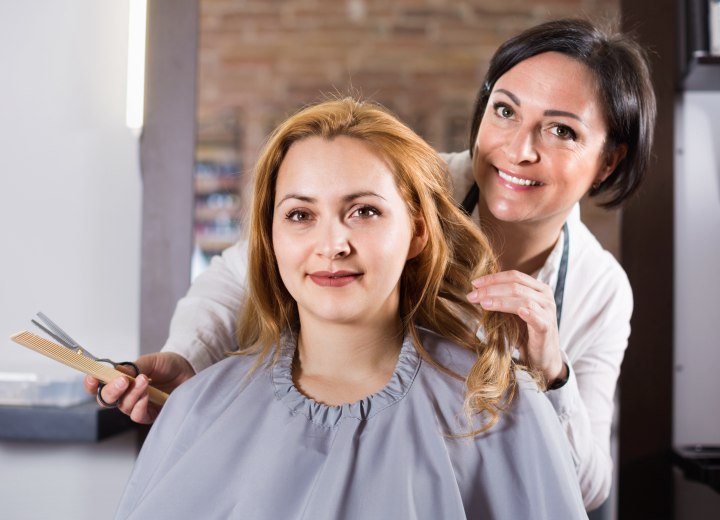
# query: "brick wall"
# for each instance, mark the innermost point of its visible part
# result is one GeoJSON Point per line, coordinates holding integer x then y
{"type": "Point", "coordinates": [260, 60]}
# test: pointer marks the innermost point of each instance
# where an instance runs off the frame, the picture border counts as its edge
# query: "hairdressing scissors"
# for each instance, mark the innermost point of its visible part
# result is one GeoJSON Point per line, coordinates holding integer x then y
{"type": "Point", "coordinates": [64, 339]}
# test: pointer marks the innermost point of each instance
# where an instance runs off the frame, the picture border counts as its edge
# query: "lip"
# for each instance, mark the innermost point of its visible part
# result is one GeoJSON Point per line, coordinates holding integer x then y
{"type": "Point", "coordinates": [515, 182]}
{"type": "Point", "coordinates": [334, 279]}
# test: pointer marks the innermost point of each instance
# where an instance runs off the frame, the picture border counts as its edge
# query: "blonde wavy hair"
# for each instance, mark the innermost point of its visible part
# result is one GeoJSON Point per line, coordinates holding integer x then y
{"type": "Point", "coordinates": [433, 284]}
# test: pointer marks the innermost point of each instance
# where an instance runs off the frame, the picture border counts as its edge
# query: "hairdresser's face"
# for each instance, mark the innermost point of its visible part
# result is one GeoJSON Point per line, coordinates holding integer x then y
{"type": "Point", "coordinates": [541, 142]}
{"type": "Point", "coordinates": [341, 232]}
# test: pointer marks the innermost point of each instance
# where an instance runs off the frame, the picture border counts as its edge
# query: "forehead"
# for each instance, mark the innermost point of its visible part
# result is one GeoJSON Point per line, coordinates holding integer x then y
{"type": "Point", "coordinates": [554, 81]}
{"type": "Point", "coordinates": [332, 166]}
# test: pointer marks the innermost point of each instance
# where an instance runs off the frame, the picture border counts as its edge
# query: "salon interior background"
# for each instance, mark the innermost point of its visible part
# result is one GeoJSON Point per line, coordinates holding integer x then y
{"type": "Point", "coordinates": [258, 61]}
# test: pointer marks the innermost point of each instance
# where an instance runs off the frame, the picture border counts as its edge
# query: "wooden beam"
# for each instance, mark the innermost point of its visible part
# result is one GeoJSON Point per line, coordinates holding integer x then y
{"type": "Point", "coordinates": [646, 391]}
{"type": "Point", "coordinates": [167, 152]}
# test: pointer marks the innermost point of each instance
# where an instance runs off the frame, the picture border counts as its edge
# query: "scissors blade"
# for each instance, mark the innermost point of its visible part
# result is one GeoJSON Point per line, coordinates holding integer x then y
{"type": "Point", "coordinates": [52, 334]}
{"type": "Point", "coordinates": [54, 330]}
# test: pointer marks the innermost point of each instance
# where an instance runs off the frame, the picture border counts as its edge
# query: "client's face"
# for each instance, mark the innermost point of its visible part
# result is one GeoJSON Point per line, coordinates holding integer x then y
{"type": "Point", "coordinates": [341, 232]}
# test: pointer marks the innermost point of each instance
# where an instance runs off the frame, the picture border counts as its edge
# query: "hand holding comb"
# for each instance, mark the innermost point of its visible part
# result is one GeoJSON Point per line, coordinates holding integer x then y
{"type": "Point", "coordinates": [69, 353]}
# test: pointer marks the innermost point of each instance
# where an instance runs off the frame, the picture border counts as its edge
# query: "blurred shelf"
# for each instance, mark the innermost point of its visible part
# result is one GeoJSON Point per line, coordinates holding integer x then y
{"type": "Point", "coordinates": [213, 244]}
{"type": "Point", "coordinates": [703, 74]}
{"type": "Point", "coordinates": [207, 214]}
{"type": "Point", "coordinates": [699, 464]}
{"type": "Point", "coordinates": [86, 422]}
{"type": "Point", "coordinates": [207, 184]}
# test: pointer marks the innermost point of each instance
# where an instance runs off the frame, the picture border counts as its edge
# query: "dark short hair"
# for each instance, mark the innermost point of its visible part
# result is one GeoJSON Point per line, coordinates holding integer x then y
{"type": "Point", "coordinates": [622, 72]}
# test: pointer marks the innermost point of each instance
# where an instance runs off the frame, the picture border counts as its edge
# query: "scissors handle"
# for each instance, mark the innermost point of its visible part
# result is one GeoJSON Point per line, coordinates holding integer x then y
{"type": "Point", "coordinates": [156, 396]}
{"type": "Point", "coordinates": [116, 364]}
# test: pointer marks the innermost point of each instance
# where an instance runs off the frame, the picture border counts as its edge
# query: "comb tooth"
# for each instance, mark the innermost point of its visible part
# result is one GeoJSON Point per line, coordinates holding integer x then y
{"type": "Point", "coordinates": [64, 355]}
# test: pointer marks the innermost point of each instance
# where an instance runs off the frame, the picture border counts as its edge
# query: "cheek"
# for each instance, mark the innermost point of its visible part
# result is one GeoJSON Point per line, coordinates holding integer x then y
{"type": "Point", "coordinates": [488, 139]}
{"type": "Point", "coordinates": [283, 249]}
{"type": "Point", "coordinates": [389, 248]}
{"type": "Point", "coordinates": [578, 169]}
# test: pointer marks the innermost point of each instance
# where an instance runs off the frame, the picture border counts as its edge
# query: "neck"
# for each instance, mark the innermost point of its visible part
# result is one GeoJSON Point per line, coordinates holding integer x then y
{"type": "Point", "coordinates": [342, 363]}
{"type": "Point", "coordinates": [354, 351]}
{"type": "Point", "coordinates": [520, 246]}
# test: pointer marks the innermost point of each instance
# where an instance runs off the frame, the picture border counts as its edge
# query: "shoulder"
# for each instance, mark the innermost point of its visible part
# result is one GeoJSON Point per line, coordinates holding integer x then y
{"type": "Point", "coordinates": [527, 441]}
{"type": "Point", "coordinates": [528, 431]}
{"type": "Point", "coordinates": [461, 174]}
{"type": "Point", "coordinates": [446, 353]}
{"type": "Point", "coordinates": [598, 299]}
{"type": "Point", "coordinates": [594, 269]}
{"type": "Point", "coordinates": [234, 259]}
{"type": "Point", "coordinates": [224, 376]}
{"type": "Point", "coordinates": [530, 408]}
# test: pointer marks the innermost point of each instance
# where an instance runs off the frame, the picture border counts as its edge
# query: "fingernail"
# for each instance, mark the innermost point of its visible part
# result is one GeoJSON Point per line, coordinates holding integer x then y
{"type": "Point", "coordinates": [120, 383]}
{"type": "Point", "coordinates": [479, 282]}
{"type": "Point", "coordinates": [472, 296]}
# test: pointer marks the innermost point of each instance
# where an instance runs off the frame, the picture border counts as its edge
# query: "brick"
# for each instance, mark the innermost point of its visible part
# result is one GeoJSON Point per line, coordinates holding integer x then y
{"type": "Point", "coordinates": [260, 60]}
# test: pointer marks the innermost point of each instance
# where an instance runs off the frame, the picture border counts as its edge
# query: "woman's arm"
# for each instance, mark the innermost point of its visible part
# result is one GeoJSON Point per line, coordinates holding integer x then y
{"type": "Point", "coordinates": [201, 331]}
{"type": "Point", "coordinates": [596, 326]}
{"type": "Point", "coordinates": [594, 343]}
{"type": "Point", "coordinates": [203, 325]}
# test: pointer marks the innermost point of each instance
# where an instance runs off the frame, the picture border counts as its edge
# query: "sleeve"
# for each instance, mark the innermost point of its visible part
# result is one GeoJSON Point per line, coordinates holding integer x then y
{"type": "Point", "coordinates": [461, 174]}
{"type": "Point", "coordinates": [585, 404]}
{"type": "Point", "coordinates": [202, 328]}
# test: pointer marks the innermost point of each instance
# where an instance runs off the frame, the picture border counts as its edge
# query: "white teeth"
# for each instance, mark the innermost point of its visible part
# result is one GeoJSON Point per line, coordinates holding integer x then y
{"type": "Point", "coordinates": [515, 180]}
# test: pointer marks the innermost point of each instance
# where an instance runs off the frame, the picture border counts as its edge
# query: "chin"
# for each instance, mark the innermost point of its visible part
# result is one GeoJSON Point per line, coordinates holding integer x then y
{"type": "Point", "coordinates": [336, 316]}
{"type": "Point", "coordinates": [503, 211]}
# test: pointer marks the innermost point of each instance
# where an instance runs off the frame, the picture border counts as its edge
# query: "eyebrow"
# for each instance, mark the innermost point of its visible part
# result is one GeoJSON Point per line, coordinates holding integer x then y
{"type": "Point", "coordinates": [551, 112]}
{"type": "Point", "coordinates": [347, 198]}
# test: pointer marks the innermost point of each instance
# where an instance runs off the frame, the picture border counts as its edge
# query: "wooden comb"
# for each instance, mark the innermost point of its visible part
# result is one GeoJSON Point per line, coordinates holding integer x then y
{"type": "Point", "coordinates": [73, 359]}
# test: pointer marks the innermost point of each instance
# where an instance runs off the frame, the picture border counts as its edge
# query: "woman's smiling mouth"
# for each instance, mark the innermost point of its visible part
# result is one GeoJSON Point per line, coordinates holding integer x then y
{"type": "Point", "coordinates": [517, 181]}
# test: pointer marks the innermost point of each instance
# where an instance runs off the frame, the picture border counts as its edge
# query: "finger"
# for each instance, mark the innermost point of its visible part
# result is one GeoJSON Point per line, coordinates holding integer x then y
{"type": "Point", "coordinates": [125, 369]}
{"type": "Point", "coordinates": [144, 412]}
{"type": "Point", "coordinates": [508, 277]}
{"type": "Point", "coordinates": [147, 364]}
{"type": "Point", "coordinates": [537, 319]}
{"type": "Point", "coordinates": [510, 299]}
{"type": "Point", "coordinates": [536, 315]}
{"type": "Point", "coordinates": [132, 396]}
{"type": "Point", "coordinates": [511, 290]}
{"type": "Point", "coordinates": [499, 304]}
{"type": "Point", "coordinates": [91, 384]}
{"type": "Point", "coordinates": [114, 390]}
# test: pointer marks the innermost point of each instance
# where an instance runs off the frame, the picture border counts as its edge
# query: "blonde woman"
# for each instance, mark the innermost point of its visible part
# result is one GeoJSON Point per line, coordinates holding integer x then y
{"type": "Point", "coordinates": [360, 389]}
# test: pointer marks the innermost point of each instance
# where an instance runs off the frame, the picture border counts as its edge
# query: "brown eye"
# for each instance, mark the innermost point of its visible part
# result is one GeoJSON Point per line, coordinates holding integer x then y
{"type": "Point", "coordinates": [366, 212]}
{"type": "Point", "coordinates": [503, 110]}
{"type": "Point", "coordinates": [298, 215]}
{"type": "Point", "coordinates": [564, 132]}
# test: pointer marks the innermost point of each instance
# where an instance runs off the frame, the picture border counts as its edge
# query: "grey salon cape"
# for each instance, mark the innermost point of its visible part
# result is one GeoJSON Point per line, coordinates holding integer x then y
{"type": "Point", "coordinates": [229, 446]}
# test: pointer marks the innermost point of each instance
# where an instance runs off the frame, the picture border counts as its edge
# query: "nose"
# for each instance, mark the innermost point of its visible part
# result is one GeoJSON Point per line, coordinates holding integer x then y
{"type": "Point", "coordinates": [333, 240]}
{"type": "Point", "coordinates": [522, 146]}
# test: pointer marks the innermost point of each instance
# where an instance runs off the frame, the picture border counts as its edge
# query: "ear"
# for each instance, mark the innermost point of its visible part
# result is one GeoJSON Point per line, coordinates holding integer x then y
{"type": "Point", "coordinates": [612, 159]}
{"type": "Point", "coordinates": [419, 239]}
